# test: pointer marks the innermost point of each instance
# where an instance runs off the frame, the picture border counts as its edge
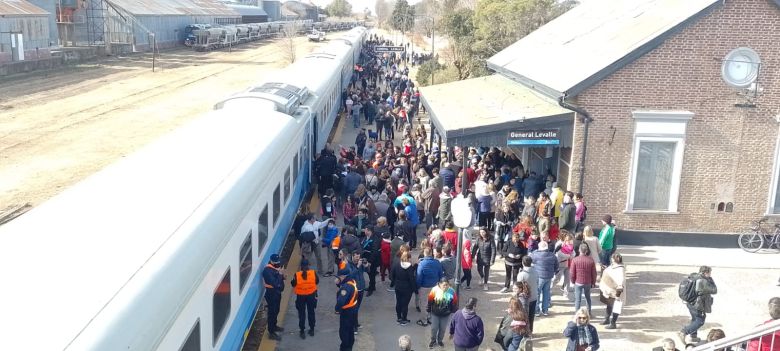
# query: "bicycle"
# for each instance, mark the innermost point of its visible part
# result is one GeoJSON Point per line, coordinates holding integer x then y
{"type": "Point", "coordinates": [758, 237]}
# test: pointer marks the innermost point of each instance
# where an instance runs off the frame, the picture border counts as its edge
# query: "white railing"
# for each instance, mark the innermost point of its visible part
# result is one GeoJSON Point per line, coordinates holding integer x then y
{"type": "Point", "coordinates": [737, 342]}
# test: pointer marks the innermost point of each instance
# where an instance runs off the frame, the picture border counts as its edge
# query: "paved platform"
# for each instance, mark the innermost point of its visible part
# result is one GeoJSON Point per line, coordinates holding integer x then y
{"type": "Point", "coordinates": [652, 312]}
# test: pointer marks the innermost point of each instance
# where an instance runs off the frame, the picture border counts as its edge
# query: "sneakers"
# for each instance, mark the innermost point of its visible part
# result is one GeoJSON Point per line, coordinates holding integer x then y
{"type": "Point", "coordinates": [605, 322]}
{"type": "Point", "coordinates": [486, 288]}
{"type": "Point", "coordinates": [405, 321]}
{"type": "Point", "coordinates": [504, 290]}
{"type": "Point", "coordinates": [468, 287]}
{"type": "Point", "coordinates": [441, 343]}
{"type": "Point", "coordinates": [311, 332]}
{"type": "Point", "coordinates": [302, 334]}
{"type": "Point", "coordinates": [274, 336]}
{"type": "Point", "coordinates": [611, 326]}
{"type": "Point", "coordinates": [432, 345]}
{"type": "Point", "coordinates": [545, 314]}
{"type": "Point", "coordinates": [388, 289]}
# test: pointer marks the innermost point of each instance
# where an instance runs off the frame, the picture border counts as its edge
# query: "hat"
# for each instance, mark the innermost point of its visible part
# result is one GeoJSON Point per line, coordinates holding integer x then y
{"type": "Point", "coordinates": [343, 271]}
{"type": "Point", "coordinates": [275, 259]}
{"type": "Point", "coordinates": [543, 246]}
{"type": "Point", "coordinates": [304, 262]}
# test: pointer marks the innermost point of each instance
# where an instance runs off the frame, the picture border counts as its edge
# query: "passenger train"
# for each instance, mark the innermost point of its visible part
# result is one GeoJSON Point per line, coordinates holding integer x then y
{"type": "Point", "coordinates": [163, 250]}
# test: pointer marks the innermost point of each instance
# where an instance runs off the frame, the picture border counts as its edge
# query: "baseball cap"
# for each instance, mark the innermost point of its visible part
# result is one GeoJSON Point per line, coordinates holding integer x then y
{"type": "Point", "coordinates": [275, 258]}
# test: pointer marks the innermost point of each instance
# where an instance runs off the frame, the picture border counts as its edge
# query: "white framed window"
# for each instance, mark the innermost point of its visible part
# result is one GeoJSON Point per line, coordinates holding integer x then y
{"type": "Point", "coordinates": [773, 207]}
{"type": "Point", "coordinates": [656, 162]}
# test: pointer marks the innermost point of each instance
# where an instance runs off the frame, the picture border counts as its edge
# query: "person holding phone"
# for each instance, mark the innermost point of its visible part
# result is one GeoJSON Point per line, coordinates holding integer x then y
{"type": "Point", "coordinates": [582, 335]}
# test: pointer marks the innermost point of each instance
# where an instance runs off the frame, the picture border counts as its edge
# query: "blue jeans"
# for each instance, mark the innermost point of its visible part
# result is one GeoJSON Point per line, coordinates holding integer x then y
{"type": "Point", "coordinates": [544, 295]}
{"type": "Point", "coordinates": [697, 320]}
{"type": "Point", "coordinates": [355, 120]}
{"type": "Point", "coordinates": [605, 256]}
{"type": "Point", "coordinates": [579, 289]}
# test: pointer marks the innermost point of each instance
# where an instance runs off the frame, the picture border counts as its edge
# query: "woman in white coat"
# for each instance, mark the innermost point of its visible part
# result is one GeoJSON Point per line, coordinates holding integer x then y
{"type": "Point", "coordinates": [594, 248]}
{"type": "Point", "coordinates": [613, 290]}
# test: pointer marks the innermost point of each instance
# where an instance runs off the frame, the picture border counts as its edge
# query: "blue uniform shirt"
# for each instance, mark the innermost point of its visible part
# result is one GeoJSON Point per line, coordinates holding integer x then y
{"type": "Point", "coordinates": [345, 295]}
{"type": "Point", "coordinates": [273, 280]}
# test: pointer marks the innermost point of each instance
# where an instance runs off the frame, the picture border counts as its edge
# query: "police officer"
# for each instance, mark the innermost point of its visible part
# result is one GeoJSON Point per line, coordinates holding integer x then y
{"type": "Point", "coordinates": [273, 280]}
{"type": "Point", "coordinates": [346, 308]}
{"type": "Point", "coordinates": [357, 270]}
{"type": "Point", "coordinates": [304, 285]}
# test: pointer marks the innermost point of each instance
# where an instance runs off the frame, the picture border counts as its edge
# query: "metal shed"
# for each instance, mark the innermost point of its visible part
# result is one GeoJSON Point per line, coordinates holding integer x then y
{"type": "Point", "coordinates": [126, 25]}
{"type": "Point", "coordinates": [21, 19]}
{"type": "Point", "coordinates": [250, 14]}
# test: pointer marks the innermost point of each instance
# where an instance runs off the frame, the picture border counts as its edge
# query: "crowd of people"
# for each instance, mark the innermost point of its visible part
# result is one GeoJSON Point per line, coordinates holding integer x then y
{"type": "Point", "coordinates": [382, 202]}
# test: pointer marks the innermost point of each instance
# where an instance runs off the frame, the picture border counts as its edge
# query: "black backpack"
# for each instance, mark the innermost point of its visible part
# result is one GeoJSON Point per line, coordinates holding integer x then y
{"type": "Point", "coordinates": [307, 237]}
{"type": "Point", "coordinates": [687, 288]}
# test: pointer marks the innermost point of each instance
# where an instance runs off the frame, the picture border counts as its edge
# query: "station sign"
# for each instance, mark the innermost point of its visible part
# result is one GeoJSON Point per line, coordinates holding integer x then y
{"type": "Point", "coordinates": [534, 137]}
{"type": "Point", "coordinates": [389, 49]}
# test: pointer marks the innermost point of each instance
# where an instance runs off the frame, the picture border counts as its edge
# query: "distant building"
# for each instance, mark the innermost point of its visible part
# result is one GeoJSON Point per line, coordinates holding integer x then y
{"type": "Point", "coordinates": [127, 25]}
{"type": "Point", "coordinates": [250, 14]}
{"type": "Point", "coordinates": [300, 10]}
{"type": "Point", "coordinates": [274, 10]}
{"type": "Point", "coordinates": [24, 31]}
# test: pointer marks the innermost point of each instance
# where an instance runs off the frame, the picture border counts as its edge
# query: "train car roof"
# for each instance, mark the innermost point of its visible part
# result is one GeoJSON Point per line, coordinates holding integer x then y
{"type": "Point", "coordinates": [65, 261]}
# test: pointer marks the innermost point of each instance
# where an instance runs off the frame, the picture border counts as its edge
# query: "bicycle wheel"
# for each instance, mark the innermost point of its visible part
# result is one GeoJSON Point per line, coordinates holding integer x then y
{"type": "Point", "coordinates": [751, 242]}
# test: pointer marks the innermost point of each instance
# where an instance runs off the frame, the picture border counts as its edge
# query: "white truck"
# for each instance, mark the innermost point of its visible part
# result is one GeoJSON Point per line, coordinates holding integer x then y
{"type": "Point", "coordinates": [316, 35]}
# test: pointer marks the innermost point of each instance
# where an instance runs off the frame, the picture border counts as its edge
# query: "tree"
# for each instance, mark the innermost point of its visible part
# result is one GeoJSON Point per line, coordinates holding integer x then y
{"type": "Point", "coordinates": [500, 23]}
{"type": "Point", "coordinates": [339, 8]}
{"type": "Point", "coordinates": [287, 45]}
{"type": "Point", "coordinates": [383, 10]}
{"type": "Point", "coordinates": [459, 26]}
{"type": "Point", "coordinates": [403, 16]}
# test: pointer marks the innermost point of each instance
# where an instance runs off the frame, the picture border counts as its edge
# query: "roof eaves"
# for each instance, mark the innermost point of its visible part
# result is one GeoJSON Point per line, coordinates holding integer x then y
{"type": "Point", "coordinates": [530, 83]}
{"type": "Point", "coordinates": [637, 53]}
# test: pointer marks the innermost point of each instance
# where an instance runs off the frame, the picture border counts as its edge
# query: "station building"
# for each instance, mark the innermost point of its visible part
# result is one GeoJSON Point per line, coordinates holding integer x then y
{"type": "Point", "coordinates": [663, 113]}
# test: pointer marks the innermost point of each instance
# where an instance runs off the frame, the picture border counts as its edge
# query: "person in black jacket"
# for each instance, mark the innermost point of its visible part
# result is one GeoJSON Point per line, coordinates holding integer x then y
{"type": "Point", "coordinates": [404, 281]}
{"type": "Point", "coordinates": [484, 250]}
{"type": "Point", "coordinates": [371, 246]}
{"type": "Point", "coordinates": [326, 167]}
{"type": "Point", "coordinates": [515, 250]}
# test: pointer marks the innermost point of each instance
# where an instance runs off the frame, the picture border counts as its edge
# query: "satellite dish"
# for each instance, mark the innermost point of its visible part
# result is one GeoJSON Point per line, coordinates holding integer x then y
{"type": "Point", "coordinates": [740, 67]}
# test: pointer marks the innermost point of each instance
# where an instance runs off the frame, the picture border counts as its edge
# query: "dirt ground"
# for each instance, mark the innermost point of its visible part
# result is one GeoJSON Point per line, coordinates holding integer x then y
{"type": "Point", "coordinates": [57, 128]}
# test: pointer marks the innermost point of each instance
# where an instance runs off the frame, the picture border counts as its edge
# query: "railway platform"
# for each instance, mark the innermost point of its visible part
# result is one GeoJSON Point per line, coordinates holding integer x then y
{"type": "Point", "coordinates": [653, 310]}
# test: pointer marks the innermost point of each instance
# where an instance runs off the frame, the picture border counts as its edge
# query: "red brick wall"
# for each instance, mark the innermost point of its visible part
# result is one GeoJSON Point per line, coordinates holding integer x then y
{"type": "Point", "coordinates": [727, 149]}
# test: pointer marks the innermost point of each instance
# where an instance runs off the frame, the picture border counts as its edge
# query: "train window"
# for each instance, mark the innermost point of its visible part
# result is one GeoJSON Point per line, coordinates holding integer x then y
{"type": "Point", "coordinates": [221, 306]}
{"type": "Point", "coordinates": [245, 261]}
{"type": "Point", "coordinates": [277, 204]}
{"type": "Point", "coordinates": [193, 340]}
{"type": "Point", "coordinates": [287, 185]}
{"type": "Point", "coordinates": [262, 230]}
{"type": "Point", "coordinates": [296, 168]}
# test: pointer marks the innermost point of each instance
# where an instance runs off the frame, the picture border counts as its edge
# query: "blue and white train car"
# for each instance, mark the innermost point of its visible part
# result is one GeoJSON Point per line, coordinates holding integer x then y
{"type": "Point", "coordinates": [163, 249]}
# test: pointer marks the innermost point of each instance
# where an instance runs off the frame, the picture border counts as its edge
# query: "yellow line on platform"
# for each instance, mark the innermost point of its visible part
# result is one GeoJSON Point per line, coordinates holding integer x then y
{"type": "Point", "coordinates": [294, 264]}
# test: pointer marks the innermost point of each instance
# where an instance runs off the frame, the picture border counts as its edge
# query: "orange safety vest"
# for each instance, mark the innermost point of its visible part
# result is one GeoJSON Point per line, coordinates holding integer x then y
{"type": "Point", "coordinates": [269, 286]}
{"type": "Point", "coordinates": [336, 244]}
{"type": "Point", "coordinates": [353, 301]}
{"type": "Point", "coordinates": [343, 264]}
{"type": "Point", "coordinates": [305, 286]}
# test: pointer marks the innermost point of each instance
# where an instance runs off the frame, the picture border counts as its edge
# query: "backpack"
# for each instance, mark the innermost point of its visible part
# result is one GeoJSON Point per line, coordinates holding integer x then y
{"type": "Point", "coordinates": [687, 288]}
{"type": "Point", "coordinates": [307, 237]}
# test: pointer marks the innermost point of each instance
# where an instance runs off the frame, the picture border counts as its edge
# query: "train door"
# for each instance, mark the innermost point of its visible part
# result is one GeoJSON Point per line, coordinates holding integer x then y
{"type": "Point", "coordinates": [314, 135]}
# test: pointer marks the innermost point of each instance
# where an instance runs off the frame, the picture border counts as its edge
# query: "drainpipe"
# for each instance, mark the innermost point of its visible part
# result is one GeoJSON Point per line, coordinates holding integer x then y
{"type": "Point", "coordinates": [585, 119]}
